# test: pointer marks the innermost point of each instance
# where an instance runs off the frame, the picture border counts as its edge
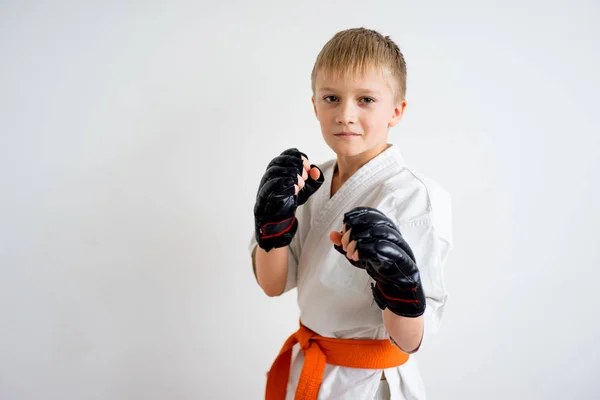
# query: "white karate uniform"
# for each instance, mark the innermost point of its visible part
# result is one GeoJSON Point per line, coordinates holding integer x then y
{"type": "Point", "coordinates": [335, 298]}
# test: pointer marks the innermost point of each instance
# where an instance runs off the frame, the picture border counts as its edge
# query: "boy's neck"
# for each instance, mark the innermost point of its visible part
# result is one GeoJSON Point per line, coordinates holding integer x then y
{"type": "Point", "coordinates": [346, 166]}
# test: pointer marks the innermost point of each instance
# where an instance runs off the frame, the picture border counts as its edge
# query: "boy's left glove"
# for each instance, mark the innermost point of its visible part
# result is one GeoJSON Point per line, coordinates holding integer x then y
{"type": "Point", "coordinates": [388, 259]}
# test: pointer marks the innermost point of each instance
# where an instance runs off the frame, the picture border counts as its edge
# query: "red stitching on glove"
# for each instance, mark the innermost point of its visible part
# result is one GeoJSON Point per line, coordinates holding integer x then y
{"type": "Point", "coordinates": [395, 299]}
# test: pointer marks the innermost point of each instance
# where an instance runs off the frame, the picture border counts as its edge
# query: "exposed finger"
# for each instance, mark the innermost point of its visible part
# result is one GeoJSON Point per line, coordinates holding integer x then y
{"type": "Point", "coordinates": [346, 238]}
{"type": "Point", "coordinates": [304, 174]}
{"type": "Point", "coordinates": [296, 189]}
{"type": "Point", "coordinates": [355, 256]}
{"type": "Point", "coordinates": [300, 182]}
{"type": "Point", "coordinates": [350, 249]}
{"type": "Point", "coordinates": [336, 238]}
{"type": "Point", "coordinates": [315, 173]}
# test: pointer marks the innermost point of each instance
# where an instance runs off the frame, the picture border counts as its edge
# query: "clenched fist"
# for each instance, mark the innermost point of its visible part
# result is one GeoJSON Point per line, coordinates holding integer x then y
{"type": "Point", "coordinates": [286, 184]}
{"type": "Point", "coordinates": [371, 241]}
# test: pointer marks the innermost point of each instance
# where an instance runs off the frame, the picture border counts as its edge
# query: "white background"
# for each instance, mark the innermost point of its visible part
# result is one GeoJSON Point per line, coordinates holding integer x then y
{"type": "Point", "coordinates": [133, 138]}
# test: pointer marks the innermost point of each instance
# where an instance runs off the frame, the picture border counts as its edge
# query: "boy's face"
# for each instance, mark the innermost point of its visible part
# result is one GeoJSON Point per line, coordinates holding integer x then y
{"type": "Point", "coordinates": [356, 112]}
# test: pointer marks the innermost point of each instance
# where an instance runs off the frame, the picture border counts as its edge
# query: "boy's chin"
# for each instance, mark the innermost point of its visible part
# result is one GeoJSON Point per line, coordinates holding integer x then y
{"type": "Point", "coordinates": [346, 150]}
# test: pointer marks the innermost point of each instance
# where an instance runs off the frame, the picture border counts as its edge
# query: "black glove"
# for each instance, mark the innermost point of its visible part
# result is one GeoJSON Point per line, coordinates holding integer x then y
{"type": "Point", "coordinates": [276, 202]}
{"type": "Point", "coordinates": [388, 259]}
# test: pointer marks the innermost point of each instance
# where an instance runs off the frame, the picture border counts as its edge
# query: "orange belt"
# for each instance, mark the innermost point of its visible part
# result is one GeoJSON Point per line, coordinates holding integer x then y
{"type": "Point", "coordinates": [318, 351]}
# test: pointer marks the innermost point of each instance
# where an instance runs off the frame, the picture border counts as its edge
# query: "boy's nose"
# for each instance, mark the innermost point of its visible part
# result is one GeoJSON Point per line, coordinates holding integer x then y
{"type": "Point", "coordinates": [346, 114]}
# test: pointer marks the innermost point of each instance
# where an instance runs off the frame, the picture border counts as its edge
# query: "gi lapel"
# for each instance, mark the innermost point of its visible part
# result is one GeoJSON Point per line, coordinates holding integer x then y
{"type": "Point", "coordinates": [327, 214]}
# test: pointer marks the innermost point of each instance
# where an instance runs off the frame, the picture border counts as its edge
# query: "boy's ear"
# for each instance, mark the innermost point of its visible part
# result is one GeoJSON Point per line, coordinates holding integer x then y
{"type": "Point", "coordinates": [314, 106]}
{"type": "Point", "coordinates": [398, 113]}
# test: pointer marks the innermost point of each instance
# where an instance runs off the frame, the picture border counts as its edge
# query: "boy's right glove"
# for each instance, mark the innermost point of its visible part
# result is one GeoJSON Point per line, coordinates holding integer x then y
{"type": "Point", "coordinates": [276, 202]}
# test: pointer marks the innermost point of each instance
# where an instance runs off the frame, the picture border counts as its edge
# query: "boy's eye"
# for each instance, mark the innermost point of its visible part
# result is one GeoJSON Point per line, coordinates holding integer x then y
{"type": "Point", "coordinates": [334, 99]}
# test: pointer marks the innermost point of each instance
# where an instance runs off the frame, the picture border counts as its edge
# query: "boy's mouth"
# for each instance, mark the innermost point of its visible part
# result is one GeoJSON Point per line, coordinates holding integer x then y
{"type": "Point", "coordinates": [346, 134]}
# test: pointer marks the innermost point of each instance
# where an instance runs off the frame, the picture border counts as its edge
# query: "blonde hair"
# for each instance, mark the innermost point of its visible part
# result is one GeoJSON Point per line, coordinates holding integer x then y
{"type": "Point", "coordinates": [356, 50]}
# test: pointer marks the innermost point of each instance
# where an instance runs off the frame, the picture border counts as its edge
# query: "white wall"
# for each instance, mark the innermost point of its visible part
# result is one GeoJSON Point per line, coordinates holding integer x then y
{"type": "Point", "coordinates": [133, 138]}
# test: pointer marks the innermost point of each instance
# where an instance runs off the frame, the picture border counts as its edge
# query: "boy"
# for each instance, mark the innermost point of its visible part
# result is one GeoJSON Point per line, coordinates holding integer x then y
{"type": "Point", "coordinates": [362, 237]}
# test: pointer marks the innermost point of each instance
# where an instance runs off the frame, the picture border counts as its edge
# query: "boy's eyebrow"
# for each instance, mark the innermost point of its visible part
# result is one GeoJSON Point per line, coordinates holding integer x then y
{"type": "Point", "coordinates": [361, 90]}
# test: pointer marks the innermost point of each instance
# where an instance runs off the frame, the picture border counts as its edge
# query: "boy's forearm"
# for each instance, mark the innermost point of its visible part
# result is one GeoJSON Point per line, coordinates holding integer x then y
{"type": "Point", "coordinates": [407, 333]}
{"type": "Point", "coordinates": [270, 269]}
